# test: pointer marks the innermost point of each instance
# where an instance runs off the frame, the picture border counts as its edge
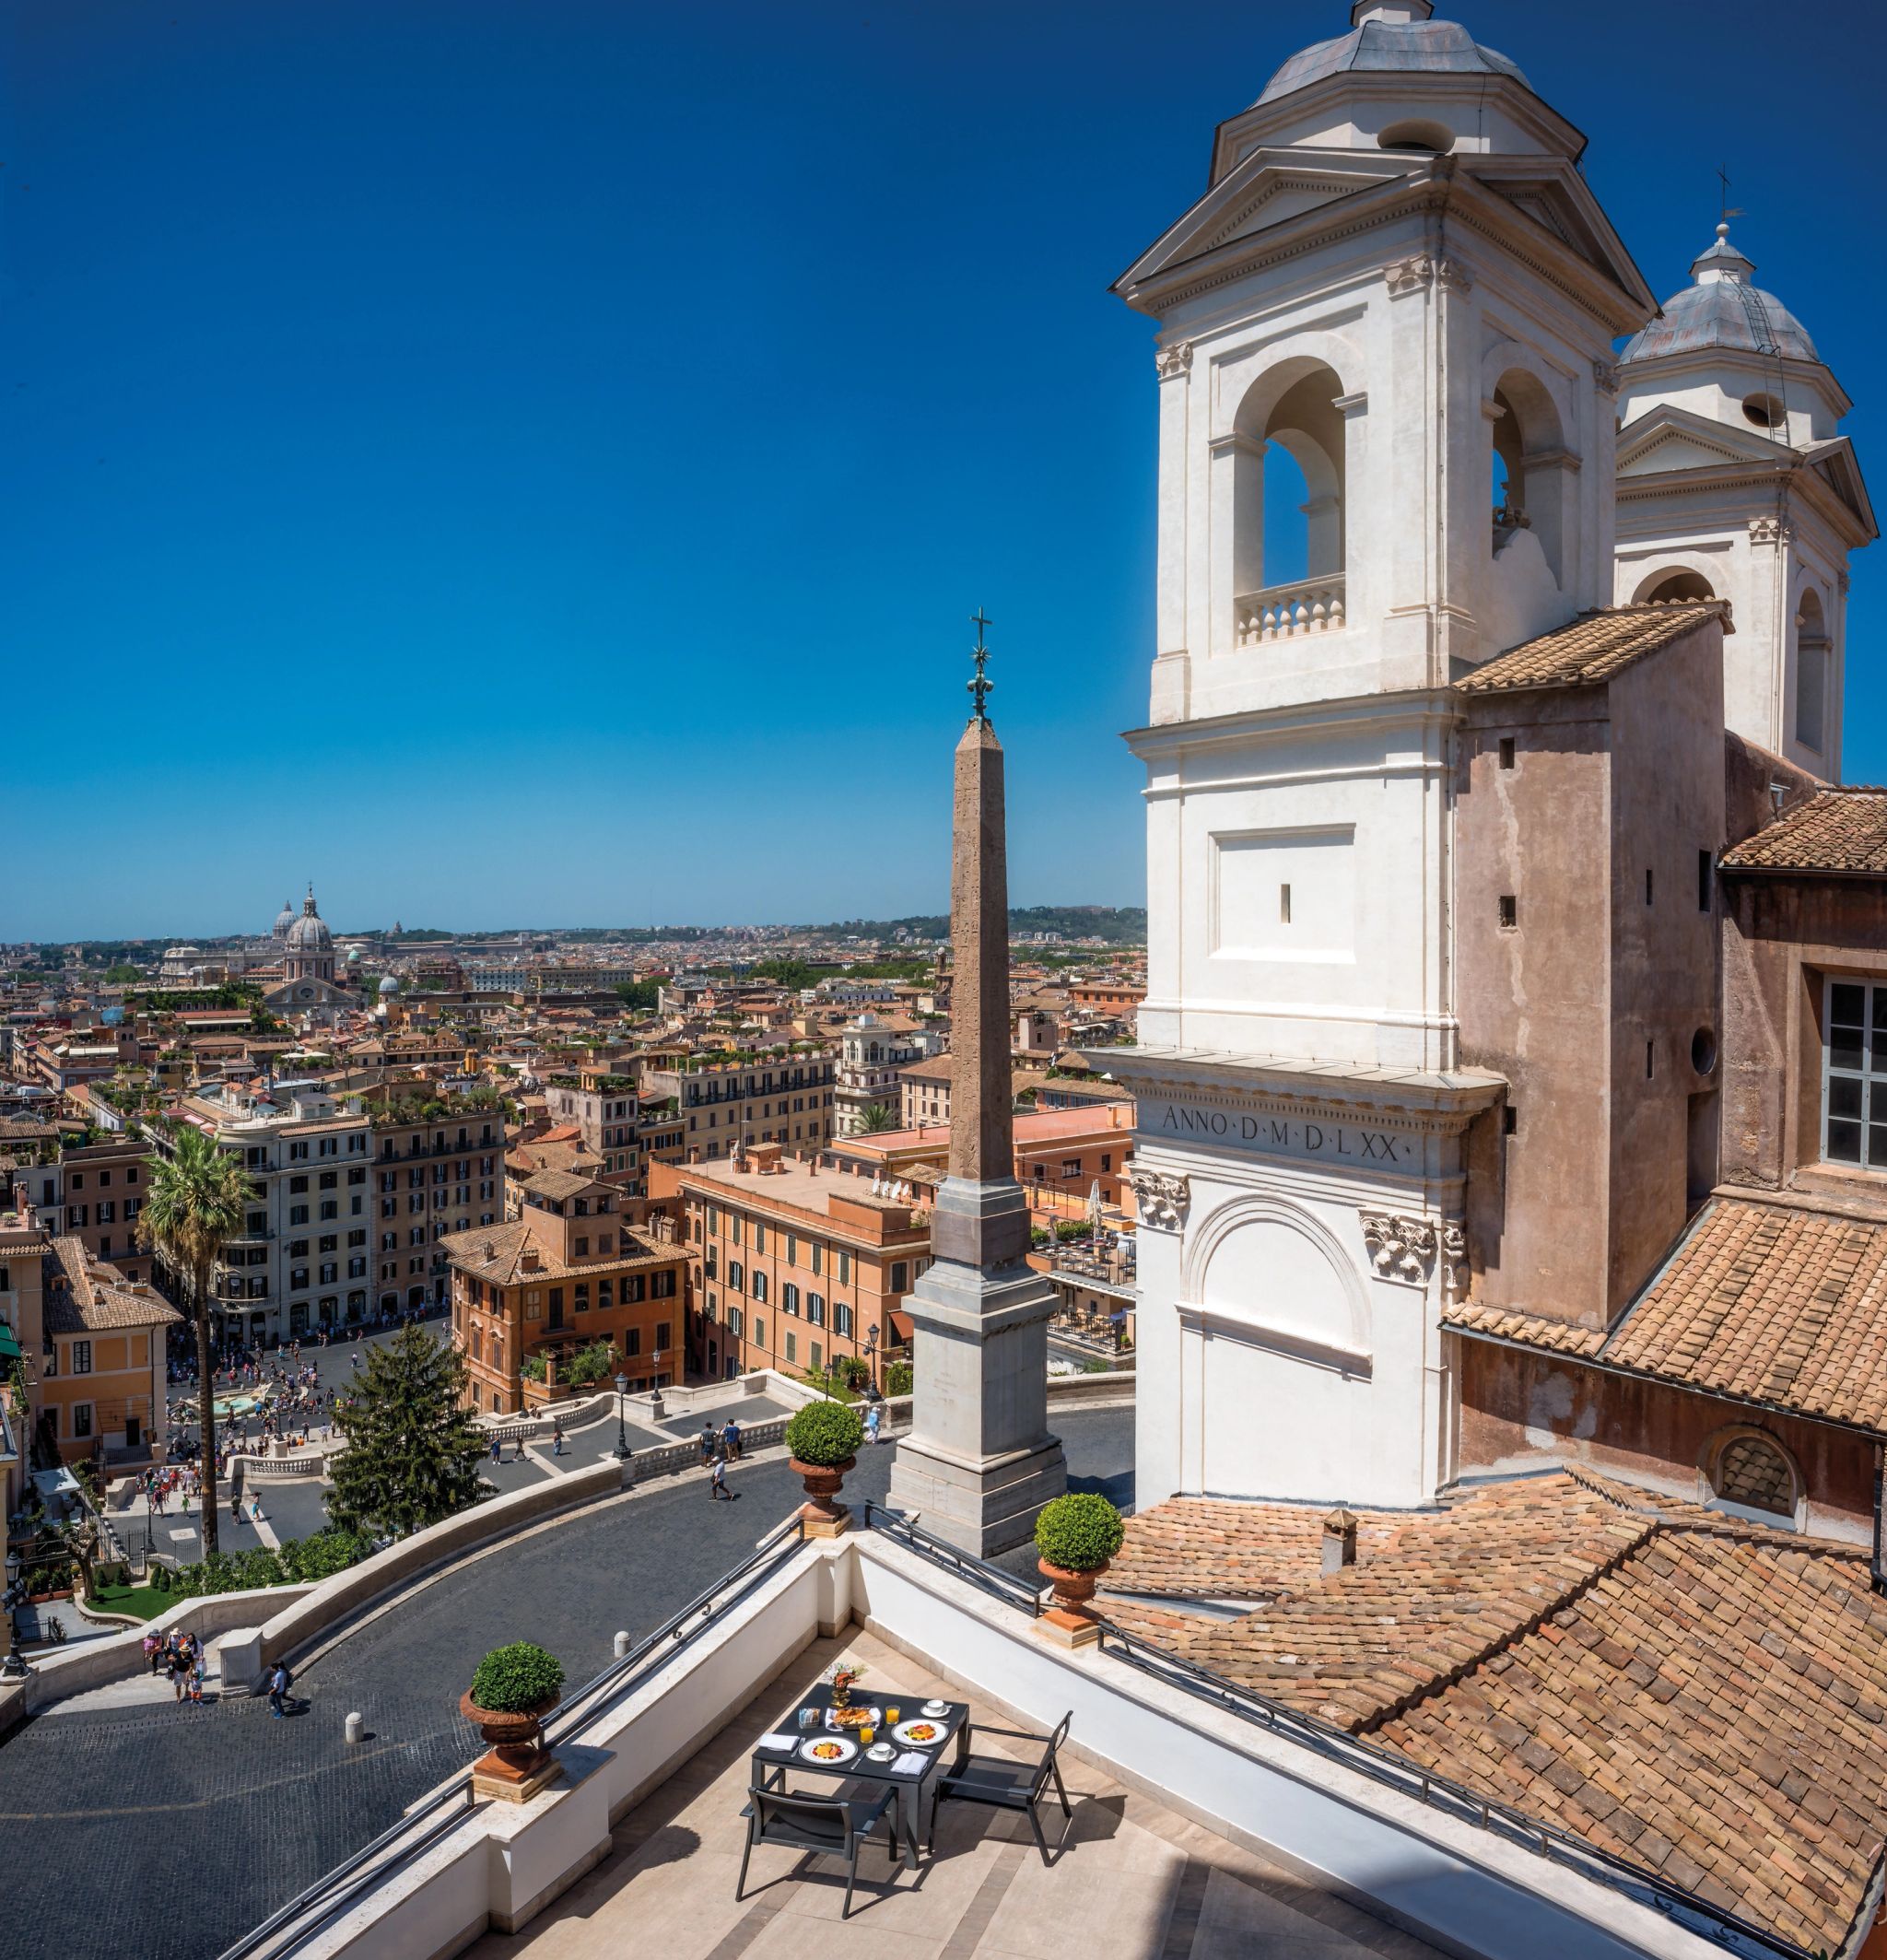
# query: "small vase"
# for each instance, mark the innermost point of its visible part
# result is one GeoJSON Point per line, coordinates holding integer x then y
{"type": "Point", "coordinates": [820, 1514]}
{"type": "Point", "coordinates": [1070, 1621]}
{"type": "Point", "coordinates": [517, 1765]}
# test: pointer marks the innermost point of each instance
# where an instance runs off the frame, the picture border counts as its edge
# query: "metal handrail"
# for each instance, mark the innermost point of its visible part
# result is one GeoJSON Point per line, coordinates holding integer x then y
{"type": "Point", "coordinates": [601, 1690]}
{"type": "Point", "coordinates": [1384, 1766]}
{"type": "Point", "coordinates": [975, 1571]}
{"type": "Point", "coordinates": [1371, 1759]}
{"type": "Point", "coordinates": [321, 1897]}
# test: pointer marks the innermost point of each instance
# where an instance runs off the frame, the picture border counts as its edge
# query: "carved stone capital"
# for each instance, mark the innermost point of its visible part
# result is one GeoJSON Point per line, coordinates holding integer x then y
{"type": "Point", "coordinates": [1174, 360]}
{"type": "Point", "coordinates": [1771, 531]}
{"type": "Point", "coordinates": [1161, 1199]}
{"type": "Point", "coordinates": [1400, 1248]}
{"type": "Point", "coordinates": [1605, 375]}
{"type": "Point", "coordinates": [1418, 273]}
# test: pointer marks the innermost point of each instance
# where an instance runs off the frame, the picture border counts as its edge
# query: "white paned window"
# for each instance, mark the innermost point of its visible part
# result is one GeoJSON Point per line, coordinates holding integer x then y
{"type": "Point", "coordinates": [1854, 1090]}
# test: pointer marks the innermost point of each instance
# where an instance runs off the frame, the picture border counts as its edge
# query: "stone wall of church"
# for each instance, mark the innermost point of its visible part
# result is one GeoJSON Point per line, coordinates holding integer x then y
{"type": "Point", "coordinates": [1519, 1409]}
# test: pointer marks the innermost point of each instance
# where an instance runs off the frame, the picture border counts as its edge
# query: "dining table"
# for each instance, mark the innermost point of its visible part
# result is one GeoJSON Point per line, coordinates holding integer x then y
{"type": "Point", "coordinates": [911, 1767]}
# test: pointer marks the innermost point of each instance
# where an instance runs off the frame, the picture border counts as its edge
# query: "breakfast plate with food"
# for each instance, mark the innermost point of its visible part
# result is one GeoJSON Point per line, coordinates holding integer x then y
{"type": "Point", "coordinates": [921, 1735]}
{"type": "Point", "coordinates": [829, 1750]}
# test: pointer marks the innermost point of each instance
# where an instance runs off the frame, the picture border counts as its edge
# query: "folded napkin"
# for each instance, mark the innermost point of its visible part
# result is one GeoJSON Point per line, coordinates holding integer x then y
{"type": "Point", "coordinates": [910, 1762]}
{"type": "Point", "coordinates": [778, 1741]}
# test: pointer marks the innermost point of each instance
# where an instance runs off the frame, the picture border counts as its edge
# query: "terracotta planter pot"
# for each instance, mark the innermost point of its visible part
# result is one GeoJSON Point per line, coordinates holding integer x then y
{"type": "Point", "coordinates": [1072, 1589]}
{"type": "Point", "coordinates": [516, 1738]}
{"type": "Point", "coordinates": [822, 1483]}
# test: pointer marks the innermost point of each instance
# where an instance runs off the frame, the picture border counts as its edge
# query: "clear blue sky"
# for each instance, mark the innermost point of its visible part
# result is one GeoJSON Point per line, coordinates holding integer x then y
{"type": "Point", "coordinates": [532, 461]}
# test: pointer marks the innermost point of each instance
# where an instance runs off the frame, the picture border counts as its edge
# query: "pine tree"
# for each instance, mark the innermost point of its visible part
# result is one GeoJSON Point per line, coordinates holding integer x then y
{"type": "Point", "coordinates": [413, 1450]}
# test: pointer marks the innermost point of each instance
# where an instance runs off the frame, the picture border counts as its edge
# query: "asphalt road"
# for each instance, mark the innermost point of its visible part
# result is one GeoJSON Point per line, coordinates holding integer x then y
{"type": "Point", "coordinates": [164, 1834]}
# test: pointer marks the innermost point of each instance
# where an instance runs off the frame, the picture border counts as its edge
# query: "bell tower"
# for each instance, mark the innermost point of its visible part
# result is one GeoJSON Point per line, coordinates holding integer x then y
{"type": "Point", "coordinates": [1385, 380]}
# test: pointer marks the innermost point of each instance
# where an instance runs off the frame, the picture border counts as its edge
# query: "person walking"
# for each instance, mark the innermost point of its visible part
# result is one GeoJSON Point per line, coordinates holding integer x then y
{"type": "Point", "coordinates": [731, 1441]}
{"type": "Point", "coordinates": [280, 1681]}
{"type": "Point", "coordinates": [717, 1484]}
{"type": "Point", "coordinates": [153, 1651]}
{"type": "Point", "coordinates": [556, 1439]}
{"type": "Point", "coordinates": [709, 1443]}
{"type": "Point", "coordinates": [497, 1448]}
{"type": "Point", "coordinates": [872, 1424]}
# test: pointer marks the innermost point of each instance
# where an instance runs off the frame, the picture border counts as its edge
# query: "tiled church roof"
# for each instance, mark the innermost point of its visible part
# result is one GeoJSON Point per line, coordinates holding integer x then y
{"type": "Point", "coordinates": [1592, 649]}
{"type": "Point", "coordinates": [1836, 831]}
{"type": "Point", "coordinates": [1773, 1304]}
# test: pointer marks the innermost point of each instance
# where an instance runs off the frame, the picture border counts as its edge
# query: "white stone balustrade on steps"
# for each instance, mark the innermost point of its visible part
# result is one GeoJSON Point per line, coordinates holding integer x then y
{"type": "Point", "coordinates": [1283, 612]}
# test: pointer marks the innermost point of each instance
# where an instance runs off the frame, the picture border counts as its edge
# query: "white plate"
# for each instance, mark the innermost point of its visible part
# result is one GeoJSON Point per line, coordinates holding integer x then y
{"type": "Point", "coordinates": [826, 1743]}
{"type": "Point", "coordinates": [936, 1708]}
{"type": "Point", "coordinates": [933, 1732]}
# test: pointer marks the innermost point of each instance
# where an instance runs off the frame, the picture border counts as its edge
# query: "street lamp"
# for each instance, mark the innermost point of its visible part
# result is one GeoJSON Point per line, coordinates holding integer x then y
{"type": "Point", "coordinates": [656, 1408]}
{"type": "Point", "coordinates": [14, 1667]}
{"type": "Point", "coordinates": [622, 1433]}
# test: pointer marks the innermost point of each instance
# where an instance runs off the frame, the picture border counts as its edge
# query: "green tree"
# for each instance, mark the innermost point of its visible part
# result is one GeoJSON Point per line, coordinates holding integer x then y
{"type": "Point", "coordinates": [875, 1118]}
{"type": "Point", "coordinates": [121, 975]}
{"type": "Point", "coordinates": [196, 1200]}
{"type": "Point", "coordinates": [413, 1450]}
{"type": "Point", "coordinates": [640, 996]}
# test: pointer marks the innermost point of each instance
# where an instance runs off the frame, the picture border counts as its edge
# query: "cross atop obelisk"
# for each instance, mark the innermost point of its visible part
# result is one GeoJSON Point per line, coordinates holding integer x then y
{"type": "Point", "coordinates": [980, 1461]}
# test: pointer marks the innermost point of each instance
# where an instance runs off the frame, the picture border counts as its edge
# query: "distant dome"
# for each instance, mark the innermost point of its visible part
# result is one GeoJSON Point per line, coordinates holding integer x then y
{"type": "Point", "coordinates": [353, 955]}
{"type": "Point", "coordinates": [284, 919]}
{"type": "Point", "coordinates": [1392, 36]}
{"type": "Point", "coordinates": [309, 934]}
{"type": "Point", "coordinates": [1722, 308]}
{"type": "Point", "coordinates": [389, 986]}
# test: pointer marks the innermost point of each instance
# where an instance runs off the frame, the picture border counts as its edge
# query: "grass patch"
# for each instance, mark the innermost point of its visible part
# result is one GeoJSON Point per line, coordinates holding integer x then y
{"type": "Point", "coordinates": [144, 1601]}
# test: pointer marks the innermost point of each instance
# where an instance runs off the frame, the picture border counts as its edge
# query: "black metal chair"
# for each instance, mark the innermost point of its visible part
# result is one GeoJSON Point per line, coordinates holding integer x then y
{"type": "Point", "coordinates": [1005, 1784]}
{"type": "Point", "coordinates": [831, 1826]}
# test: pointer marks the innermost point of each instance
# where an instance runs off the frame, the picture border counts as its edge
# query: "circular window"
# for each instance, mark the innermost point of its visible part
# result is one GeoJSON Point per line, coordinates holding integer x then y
{"type": "Point", "coordinates": [1702, 1051]}
{"type": "Point", "coordinates": [1764, 410]}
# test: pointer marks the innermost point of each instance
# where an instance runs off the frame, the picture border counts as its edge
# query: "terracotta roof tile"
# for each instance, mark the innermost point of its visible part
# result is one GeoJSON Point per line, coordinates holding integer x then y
{"type": "Point", "coordinates": [1592, 649]}
{"type": "Point", "coordinates": [1221, 1548]}
{"type": "Point", "coordinates": [1778, 1305]}
{"type": "Point", "coordinates": [1839, 830]}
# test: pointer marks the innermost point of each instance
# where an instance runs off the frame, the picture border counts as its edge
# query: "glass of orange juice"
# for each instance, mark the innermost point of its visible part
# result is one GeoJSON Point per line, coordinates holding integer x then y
{"type": "Point", "coordinates": [865, 1735]}
{"type": "Point", "coordinates": [891, 1714]}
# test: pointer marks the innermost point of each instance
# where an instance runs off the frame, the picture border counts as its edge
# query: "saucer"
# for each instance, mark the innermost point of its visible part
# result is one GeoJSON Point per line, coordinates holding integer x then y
{"type": "Point", "coordinates": [934, 1708]}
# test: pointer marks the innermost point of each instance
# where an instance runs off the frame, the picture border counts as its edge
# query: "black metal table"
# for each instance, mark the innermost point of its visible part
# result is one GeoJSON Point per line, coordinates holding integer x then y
{"type": "Point", "coordinates": [909, 1784]}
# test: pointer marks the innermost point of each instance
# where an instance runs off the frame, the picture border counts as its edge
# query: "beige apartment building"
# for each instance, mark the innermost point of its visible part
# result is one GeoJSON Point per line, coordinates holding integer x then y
{"type": "Point", "coordinates": [91, 1192]}
{"type": "Point", "coordinates": [783, 1098]}
{"type": "Point", "coordinates": [606, 1109]}
{"type": "Point", "coordinates": [790, 1266]}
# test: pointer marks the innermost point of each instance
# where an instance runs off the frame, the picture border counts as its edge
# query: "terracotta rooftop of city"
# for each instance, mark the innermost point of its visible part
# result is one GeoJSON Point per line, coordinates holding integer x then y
{"type": "Point", "coordinates": [496, 1253]}
{"type": "Point", "coordinates": [1703, 1698]}
{"type": "Point", "coordinates": [1834, 830]}
{"type": "Point", "coordinates": [1592, 649]}
{"type": "Point", "coordinates": [1778, 1305]}
{"type": "Point", "coordinates": [84, 1296]}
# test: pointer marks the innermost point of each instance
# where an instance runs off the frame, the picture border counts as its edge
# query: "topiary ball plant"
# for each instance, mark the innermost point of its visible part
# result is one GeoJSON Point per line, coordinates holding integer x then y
{"type": "Point", "coordinates": [1079, 1532]}
{"type": "Point", "coordinates": [515, 1679]}
{"type": "Point", "coordinates": [824, 1434]}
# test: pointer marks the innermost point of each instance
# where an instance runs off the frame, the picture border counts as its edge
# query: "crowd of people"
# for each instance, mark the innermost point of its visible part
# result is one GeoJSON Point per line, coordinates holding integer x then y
{"type": "Point", "coordinates": [180, 1655]}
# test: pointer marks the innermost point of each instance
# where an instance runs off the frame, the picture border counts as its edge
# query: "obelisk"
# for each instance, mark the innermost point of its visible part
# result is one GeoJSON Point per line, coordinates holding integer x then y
{"type": "Point", "coordinates": [980, 1462]}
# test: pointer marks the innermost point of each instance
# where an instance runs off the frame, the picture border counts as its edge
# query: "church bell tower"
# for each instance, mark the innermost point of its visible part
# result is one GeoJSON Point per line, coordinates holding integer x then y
{"type": "Point", "coordinates": [1386, 408]}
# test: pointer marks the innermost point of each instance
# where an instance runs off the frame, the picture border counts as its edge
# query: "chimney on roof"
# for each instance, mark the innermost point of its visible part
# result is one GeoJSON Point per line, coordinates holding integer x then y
{"type": "Point", "coordinates": [1339, 1541]}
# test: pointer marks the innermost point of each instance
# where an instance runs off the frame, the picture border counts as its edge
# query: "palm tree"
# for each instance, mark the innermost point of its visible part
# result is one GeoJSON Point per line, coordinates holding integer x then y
{"type": "Point", "coordinates": [197, 1199]}
{"type": "Point", "coordinates": [875, 1118]}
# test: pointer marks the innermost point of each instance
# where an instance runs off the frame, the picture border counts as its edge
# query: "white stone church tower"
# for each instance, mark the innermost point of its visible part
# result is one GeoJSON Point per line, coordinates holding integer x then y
{"type": "Point", "coordinates": [1400, 278]}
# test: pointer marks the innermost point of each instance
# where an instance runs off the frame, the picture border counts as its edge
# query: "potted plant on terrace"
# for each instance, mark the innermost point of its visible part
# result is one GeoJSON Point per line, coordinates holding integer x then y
{"type": "Point", "coordinates": [822, 1443]}
{"type": "Point", "coordinates": [1076, 1537]}
{"type": "Point", "coordinates": [512, 1690]}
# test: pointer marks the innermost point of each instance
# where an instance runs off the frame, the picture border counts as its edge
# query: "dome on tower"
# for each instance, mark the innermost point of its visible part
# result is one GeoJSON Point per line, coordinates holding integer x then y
{"type": "Point", "coordinates": [1391, 37]}
{"type": "Point", "coordinates": [284, 919]}
{"type": "Point", "coordinates": [389, 986]}
{"type": "Point", "coordinates": [309, 934]}
{"type": "Point", "coordinates": [1722, 308]}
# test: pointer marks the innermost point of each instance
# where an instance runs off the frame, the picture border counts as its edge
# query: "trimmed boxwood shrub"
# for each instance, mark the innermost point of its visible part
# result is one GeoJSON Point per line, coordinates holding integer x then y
{"type": "Point", "coordinates": [1079, 1532]}
{"type": "Point", "coordinates": [511, 1679]}
{"type": "Point", "coordinates": [825, 1433]}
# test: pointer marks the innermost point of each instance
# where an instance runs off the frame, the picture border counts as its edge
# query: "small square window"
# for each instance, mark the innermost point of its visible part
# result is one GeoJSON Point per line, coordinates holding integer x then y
{"type": "Point", "coordinates": [1510, 912]}
{"type": "Point", "coordinates": [1510, 1120]}
{"type": "Point", "coordinates": [1506, 751]}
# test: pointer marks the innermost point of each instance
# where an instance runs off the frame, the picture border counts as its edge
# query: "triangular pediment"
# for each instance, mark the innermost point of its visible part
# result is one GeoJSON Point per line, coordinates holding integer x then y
{"type": "Point", "coordinates": [1670, 438]}
{"type": "Point", "coordinates": [1269, 187]}
{"type": "Point", "coordinates": [1550, 194]}
{"type": "Point", "coordinates": [1836, 464]}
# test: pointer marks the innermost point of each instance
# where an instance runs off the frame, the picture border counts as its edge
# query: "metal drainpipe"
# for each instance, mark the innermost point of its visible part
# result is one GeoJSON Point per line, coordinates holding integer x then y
{"type": "Point", "coordinates": [1877, 1575]}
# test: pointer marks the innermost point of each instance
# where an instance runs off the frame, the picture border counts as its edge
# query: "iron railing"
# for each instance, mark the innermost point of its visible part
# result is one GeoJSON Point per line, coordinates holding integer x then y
{"type": "Point", "coordinates": [289, 1930]}
{"type": "Point", "coordinates": [1380, 1765]}
{"type": "Point", "coordinates": [977, 1572]}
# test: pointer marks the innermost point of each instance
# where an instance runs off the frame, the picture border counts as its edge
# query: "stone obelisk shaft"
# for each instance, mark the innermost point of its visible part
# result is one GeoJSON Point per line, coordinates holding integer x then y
{"type": "Point", "coordinates": [980, 1462]}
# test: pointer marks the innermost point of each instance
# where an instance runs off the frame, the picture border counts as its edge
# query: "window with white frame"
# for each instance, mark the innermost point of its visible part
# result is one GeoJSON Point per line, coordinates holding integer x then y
{"type": "Point", "coordinates": [1854, 1087]}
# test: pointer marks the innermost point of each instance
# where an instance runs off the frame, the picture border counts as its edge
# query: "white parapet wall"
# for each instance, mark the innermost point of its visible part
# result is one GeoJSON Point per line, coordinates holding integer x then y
{"type": "Point", "coordinates": [1465, 1888]}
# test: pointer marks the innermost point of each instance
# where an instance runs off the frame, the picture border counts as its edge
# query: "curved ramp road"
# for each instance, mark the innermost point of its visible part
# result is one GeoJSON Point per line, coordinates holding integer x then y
{"type": "Point", "coordinates": [163, 1834]}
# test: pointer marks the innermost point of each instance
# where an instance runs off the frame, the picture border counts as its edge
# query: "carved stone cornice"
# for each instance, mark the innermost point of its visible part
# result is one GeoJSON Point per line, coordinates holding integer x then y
{"type": "Point", "coordinates": [1161, 1198]}
{"type": "Point", "coordinates": [1172, 362]}
{"type": "Point", "coordinates": [1771, 531]}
